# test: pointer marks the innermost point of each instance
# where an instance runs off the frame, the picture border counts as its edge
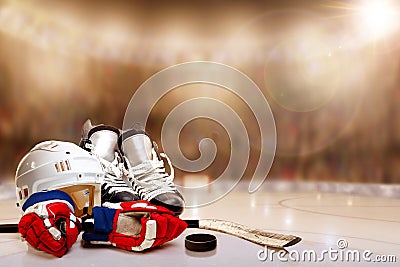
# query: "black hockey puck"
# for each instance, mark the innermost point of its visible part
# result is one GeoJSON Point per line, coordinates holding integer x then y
{"type": "Point", "coordinates": [200, 242]}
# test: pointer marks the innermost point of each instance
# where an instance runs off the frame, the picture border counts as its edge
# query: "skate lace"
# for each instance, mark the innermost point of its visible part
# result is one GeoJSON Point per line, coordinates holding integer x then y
{"type": "Point", "coordinates": [114, 171]}
{"type": "Point", "coordinates": [151, 175]}
{"type": "Point", "coordinates": [114, 168]}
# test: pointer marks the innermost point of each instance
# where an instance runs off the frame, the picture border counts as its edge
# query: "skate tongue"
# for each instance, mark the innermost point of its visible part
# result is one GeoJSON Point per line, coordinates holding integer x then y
{"type": "Point", "coordinates": [104, 144]}
{"type": "Point", "coordinates": [86, 127]}
{"type": "Point", "coordinates": [137, 148]}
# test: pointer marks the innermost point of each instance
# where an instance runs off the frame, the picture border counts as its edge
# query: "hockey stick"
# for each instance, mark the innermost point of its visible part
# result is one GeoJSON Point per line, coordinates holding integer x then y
{"type": "Point", "coordinates": [257, 236]}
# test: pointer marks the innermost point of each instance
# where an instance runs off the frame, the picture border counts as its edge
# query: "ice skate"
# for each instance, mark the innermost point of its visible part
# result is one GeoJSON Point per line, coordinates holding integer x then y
{"type": "Point", "coordinates": [147, 173]}
{"type": "Point", "coordinates": [101, 140]}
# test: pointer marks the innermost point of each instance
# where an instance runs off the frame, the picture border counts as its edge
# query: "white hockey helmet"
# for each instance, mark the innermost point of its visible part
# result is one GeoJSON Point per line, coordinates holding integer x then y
{"type": "Point", "coordinates": [59, 165]}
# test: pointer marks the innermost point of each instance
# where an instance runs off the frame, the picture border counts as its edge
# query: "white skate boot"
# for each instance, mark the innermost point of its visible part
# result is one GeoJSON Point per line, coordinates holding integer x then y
{"type": "Point", "coordinates": [101, 140]}
{"type": "Point", "coordinates": [147, 173]}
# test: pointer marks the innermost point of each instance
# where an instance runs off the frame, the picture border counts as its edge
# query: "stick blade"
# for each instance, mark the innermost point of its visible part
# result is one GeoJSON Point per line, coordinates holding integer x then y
{"type": "Point", "coordinates": [257, 236]}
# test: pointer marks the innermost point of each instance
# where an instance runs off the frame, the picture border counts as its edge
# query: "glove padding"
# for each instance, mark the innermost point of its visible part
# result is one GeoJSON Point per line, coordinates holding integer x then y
{"type": "Point", "coordinates": [50, 225]}
{"type": "Point", "coordinates": [133, 226]}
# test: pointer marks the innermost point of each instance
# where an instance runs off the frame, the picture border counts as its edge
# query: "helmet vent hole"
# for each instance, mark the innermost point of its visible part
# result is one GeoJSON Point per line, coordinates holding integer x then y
{"type": "Point", "coordinates": [62, 166]}
{"type": "Point", "coordinates": [26, 192]}
{"type": "Point", "coordinates": [67, 165]}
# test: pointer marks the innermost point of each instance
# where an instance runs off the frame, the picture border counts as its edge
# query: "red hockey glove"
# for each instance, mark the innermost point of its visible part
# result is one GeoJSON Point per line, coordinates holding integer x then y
{"type": "Point", "coordinates": [48, 223]}
{"type": "Point", "coordinates": [133, 226]}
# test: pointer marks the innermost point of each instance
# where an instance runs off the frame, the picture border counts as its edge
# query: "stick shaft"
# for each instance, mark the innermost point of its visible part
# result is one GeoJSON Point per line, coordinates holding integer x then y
{"type": "Point", "coordinates": [257, 236]}
{"type": "Point", "coordinates": [9, 228]}
{"type": "Point", "coordinates": [192, 223]}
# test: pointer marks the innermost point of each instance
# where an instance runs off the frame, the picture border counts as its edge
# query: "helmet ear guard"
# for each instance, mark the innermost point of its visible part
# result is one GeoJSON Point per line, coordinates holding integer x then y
{"type": "Point", "coordinates": [85, 197]}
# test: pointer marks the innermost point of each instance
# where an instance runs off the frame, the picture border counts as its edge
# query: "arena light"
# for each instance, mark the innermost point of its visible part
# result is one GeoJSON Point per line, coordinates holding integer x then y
{"type": "Point", "coordinates": [379, 17]}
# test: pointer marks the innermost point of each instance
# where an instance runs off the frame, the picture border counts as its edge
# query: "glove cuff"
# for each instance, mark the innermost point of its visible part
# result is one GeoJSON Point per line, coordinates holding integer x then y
{"type": "Point", "coordinates": [46, 196]}
{"type": "Point", "coordinates": [100, 226]}
{"type": "Point", "coordinates": [103, 219]}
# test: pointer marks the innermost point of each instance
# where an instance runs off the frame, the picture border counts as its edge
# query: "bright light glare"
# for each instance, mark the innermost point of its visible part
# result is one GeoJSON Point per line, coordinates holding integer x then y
{"type": "Point", "coordinates": [379, 18]}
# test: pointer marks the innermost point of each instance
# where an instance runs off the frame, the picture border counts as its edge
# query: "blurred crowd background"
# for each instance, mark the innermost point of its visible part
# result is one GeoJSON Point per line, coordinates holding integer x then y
{"type": "Point", "coordinates": [331, 79]}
